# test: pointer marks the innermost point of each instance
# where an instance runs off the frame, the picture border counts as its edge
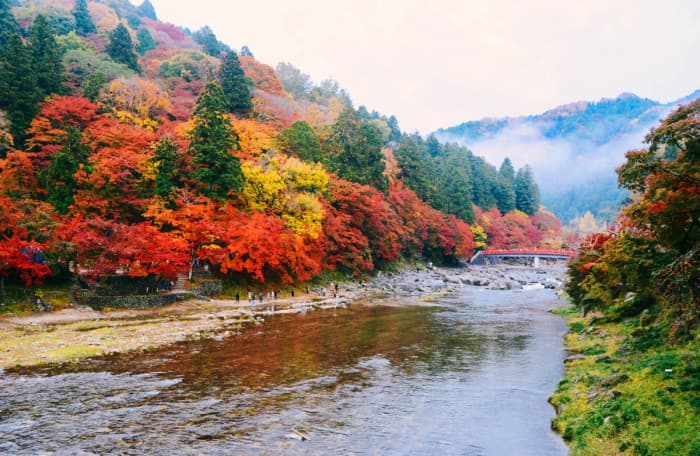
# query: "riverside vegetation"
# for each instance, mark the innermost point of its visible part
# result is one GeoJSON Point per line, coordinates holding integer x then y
{"type": "Point", "coordinates": [633, 383]}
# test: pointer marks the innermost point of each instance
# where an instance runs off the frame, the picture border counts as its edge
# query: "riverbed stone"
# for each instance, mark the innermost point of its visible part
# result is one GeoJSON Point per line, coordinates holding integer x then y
{"type": "Point", "coordinates": [571, 358]}
{"type": "Point", "coordinates": [615, 379]}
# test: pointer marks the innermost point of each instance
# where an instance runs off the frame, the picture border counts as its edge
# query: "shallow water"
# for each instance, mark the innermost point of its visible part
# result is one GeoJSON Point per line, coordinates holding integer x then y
{"type": "Point", "coordinates": [470, 377]}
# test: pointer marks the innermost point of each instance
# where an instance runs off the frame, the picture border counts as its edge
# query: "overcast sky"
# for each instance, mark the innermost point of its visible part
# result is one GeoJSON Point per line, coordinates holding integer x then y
{"type": "Point", "coordinates": [442, 62]}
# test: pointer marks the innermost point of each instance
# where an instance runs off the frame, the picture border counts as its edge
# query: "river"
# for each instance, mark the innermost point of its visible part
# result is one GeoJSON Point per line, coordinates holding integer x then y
{"type": "Point", "coordinates": [468, 376]}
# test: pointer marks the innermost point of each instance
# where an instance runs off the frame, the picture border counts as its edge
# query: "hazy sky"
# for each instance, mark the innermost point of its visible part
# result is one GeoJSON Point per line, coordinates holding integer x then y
{"type": "Point", "coordinates": [438, 63]}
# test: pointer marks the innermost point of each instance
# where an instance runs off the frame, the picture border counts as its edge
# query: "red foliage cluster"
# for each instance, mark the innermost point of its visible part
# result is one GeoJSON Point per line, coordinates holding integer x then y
{"type": "Point", "coordinates": [516, 229]}
{"type": "Point", "coordinates": [116, 222]}
{"type": "Point", "coordinates": [18, 253]}
{"type": "Point", "coordinates": [138, 250]}
{"type": "Point", "coordinates": [425, 228]}
{"type": "Point", "coordinates": [170, 30]}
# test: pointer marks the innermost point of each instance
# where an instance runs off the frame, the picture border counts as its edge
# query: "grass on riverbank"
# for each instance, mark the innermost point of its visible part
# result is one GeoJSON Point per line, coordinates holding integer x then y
{"type": "Point", "coordinates": [16, 299]}
{"type": "Point", "coordinates": [630, 392]}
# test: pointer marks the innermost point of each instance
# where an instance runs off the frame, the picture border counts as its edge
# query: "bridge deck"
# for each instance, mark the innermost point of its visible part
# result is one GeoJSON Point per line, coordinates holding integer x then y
{"type": "Point", "coordinates": [558, 254]}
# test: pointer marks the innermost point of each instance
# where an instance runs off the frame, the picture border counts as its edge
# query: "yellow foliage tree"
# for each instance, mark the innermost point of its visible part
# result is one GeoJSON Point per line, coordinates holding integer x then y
{"type": "Point", "coordinates": [287, 187]}
{"type": "Point", "coordinates": [135, 101]}
{"type": "Point", "coordinates": [479, 235]}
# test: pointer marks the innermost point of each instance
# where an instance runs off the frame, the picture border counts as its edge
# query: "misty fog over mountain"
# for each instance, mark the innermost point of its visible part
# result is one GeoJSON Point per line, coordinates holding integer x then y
{"type": "Point", "coordinates": [573, 149]}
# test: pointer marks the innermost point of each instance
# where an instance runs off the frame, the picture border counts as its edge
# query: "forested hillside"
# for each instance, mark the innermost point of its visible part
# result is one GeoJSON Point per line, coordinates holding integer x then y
{"type": "Point", "coordinates": [573, 148]}
{"type": "Point", "coordinates": [135, 146]}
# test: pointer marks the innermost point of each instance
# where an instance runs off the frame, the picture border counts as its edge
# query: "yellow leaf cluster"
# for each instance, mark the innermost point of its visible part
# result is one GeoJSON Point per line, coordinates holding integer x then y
{"type": "Point", "coordinates": [304, 214]}
{"type": "Point", "coordinates": [479, 235]}
{"type": "Point", "coordinates": [310, 177]}
{"type": "Point", "coordinates": [263, 188]}
{"type": "Point", "coordinates": [135, 101]}
{"type": "Point", "coordinates": [289, 188]}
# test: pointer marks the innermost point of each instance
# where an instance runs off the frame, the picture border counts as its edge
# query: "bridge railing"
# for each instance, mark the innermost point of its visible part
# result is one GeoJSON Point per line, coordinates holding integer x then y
{"type": "Point", "coordinates": [515, 252]}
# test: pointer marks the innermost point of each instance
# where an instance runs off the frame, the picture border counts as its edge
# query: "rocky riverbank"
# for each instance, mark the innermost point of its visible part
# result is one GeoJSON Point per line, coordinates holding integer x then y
{"type": "Point", "coordinates": [626, 390]}
{"type": "Point", "coordinates": [77, 333]}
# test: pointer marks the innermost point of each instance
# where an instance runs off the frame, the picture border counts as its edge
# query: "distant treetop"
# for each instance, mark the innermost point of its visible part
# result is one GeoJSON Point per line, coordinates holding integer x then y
{"type": "Point", "coordinates": [147, 10]}
{"type": "Point", "coordinates": [83, 21]}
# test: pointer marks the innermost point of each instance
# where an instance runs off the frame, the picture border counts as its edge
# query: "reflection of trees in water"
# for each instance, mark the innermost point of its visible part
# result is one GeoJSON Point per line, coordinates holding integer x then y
{"type": "Point", "coordinates": [289, 349]}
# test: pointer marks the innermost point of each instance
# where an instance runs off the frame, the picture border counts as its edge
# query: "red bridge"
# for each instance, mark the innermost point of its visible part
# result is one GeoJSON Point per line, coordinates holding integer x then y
{"type": "Point", "coordinates": [495, 256]}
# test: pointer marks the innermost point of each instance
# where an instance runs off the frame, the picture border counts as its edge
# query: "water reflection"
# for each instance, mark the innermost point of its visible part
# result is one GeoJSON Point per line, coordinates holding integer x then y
{"type": "Point", "coordinates": [387, 380]}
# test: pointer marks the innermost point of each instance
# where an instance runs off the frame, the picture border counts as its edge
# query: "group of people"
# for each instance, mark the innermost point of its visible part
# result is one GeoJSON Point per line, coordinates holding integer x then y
{"type": "Point", "coordinates": [271, 296]}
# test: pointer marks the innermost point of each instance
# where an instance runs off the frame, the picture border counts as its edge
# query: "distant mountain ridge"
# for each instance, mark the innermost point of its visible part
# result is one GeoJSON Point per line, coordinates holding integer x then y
{"type": "Point", "coordinates": [622, 115]}
{"type": "Point", "coordinates": [573, 148]}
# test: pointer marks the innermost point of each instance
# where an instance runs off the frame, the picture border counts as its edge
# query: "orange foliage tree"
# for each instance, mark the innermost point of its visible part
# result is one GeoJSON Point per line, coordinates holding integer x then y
{"type": "Point", "coordinates": [263, 76]}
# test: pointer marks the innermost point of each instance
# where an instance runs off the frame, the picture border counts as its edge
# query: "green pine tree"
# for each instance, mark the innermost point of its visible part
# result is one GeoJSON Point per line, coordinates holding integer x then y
{"type": "Point", "coordinates": [121, 48]}
{"type": "Point", "coordinates": [211, 141]}
{"type": "Point", "coordinates": [146, 9]}
{"type": "Point", "coordinates": [505, 188]}
{"type": "Point", "coordinates": [484, 178]}
{"type": "Point", "coordinates": [301, 140]}
{"type": "Point", "coordinates": [210, 44]}
{"type": "Point", "coordinates": [47, 57]}
{"type": "Point", "coordinates": [417, 169]}
{"type": "Point", "coordinates": [146, 41]}
{"type": "Point", "coordinates": [433, 146]}
{"type": "Point", "coordinates": [357, 151]}
{"type": "Point", "coordinates": [19, 92]}
{"type": "Point", "coordinates": [527, 193]}
{"type": "Point", "coordinates": [167, 161]}
{"type": "Point", "coordinates": [83, 21]}
{"type": "Point", "coordinates": [454, 185]}
{"type": "Point", "coordinates": [8, 25]}
{"type": "Point", "coordinates": [92, 85]}
{"type": "Point", "coordinates": [235, 85]}
{"type": "Point", "coordinates": [58, 177]}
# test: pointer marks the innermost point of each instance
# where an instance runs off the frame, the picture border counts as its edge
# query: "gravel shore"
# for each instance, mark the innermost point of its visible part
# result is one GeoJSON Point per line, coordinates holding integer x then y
{"type": "Point", "coordinates": [73, 334]}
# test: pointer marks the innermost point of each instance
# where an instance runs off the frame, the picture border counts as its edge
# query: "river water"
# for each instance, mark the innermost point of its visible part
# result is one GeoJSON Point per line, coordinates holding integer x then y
{"type": "Point", "coordinates": [470, 376]}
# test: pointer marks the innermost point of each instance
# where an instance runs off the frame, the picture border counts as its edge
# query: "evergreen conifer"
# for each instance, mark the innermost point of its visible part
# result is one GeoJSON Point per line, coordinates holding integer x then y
{"type": "Point", "coordinates": [8, 25]}
{"type": "Point", "coordinates": [121, 48]}
{"type": "Point", "coordinates": [235, 85]}
{"type": "Point", "coordinates": [83, 21]}
{"type": "Point", "coordinates": [211, 141]}
{"type": "Point", "coordinates": [146, 9]}
{"type": "Point", "coordinates": [47, 57]}
{"type": "Point", "coordinates": [527, 193]}
{"type": "Point", "coordinates": [19, 92]}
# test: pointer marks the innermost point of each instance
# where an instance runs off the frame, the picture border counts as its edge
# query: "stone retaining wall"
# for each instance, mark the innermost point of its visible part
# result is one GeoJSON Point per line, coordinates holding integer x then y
{"type": "Point", "coordinates": [99, 302]}
{"type": "Point", "coordinates": [207, 288]}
